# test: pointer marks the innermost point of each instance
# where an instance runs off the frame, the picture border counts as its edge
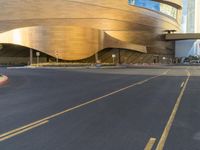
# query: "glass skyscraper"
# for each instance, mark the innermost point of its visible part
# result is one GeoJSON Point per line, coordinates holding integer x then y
{"type": "Point", "coordinates": [197, 16]}
{"type": "Point", "coordinates": [191, 16]}
{"type": "Point", "coordinates": [184, 16]}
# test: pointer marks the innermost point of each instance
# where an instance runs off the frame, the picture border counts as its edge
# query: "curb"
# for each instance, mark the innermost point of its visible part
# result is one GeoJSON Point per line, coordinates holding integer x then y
{"type": "Point", "coordinates": [3, 79]}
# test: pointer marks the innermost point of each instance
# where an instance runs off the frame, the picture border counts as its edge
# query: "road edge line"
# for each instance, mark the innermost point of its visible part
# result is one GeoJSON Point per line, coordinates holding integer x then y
{"type": "Point", "coordinates": [170, 121]}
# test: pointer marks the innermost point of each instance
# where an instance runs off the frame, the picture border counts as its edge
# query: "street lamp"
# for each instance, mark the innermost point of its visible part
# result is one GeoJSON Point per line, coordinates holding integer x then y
{"type": "Point", "coordinates": [113, 57]}
{"type": "Point", "coordinates": [38, 55]}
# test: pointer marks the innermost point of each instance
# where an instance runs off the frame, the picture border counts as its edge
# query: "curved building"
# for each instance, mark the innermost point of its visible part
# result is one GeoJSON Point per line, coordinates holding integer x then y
{"type": "Point", "coordinates": [78, 29]}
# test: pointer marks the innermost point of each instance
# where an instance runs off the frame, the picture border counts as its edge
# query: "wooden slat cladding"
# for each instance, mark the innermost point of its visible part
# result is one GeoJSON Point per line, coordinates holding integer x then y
{"type": "Point", "coordinates": [79, 28]}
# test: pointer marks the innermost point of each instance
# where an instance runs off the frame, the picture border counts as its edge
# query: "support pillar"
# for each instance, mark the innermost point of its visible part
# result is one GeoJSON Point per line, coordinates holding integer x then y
{"type": "Point", "coordinates": [31, 56]}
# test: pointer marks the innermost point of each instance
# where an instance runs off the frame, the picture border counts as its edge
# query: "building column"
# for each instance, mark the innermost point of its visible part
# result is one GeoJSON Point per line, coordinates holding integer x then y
{"type": "Point", "coordinates": [31, 56]}
{"type": "Point", "coordinates": [100, 45]}
{"type": "Point", "coordinates": [119, 56]}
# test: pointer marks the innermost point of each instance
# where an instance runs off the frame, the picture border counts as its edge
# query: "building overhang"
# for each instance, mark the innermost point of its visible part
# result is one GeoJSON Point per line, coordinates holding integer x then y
{"type": "Point", "coordinates": [182, 36]}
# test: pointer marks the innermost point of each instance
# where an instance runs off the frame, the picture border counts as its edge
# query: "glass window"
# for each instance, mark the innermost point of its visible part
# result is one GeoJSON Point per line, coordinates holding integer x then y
{"type": "Point", "coordinates": [156, 6]}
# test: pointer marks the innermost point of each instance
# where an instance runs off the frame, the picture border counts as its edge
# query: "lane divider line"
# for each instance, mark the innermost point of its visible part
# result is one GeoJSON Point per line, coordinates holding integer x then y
{"type": "Point", "coordinates": [23, 130]}
{"type": "Point", "coordinates": [150, 144]}
{"type": "Point", "coordinates": [78, 106]}
{"type": "Point", "coordinates": [168, 126]}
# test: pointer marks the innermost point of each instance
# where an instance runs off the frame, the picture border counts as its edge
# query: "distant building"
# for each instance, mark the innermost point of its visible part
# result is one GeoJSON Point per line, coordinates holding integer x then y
{"type": "Point", "coordinates": [190, 24]}
{"type": "Point", "coordinates": [197, 16]}
{"type": "Point", "coordinates": [191, 16]}
{"type": "Point", "coordinates": [187, 48]}
{"type": "Point", "coordinates": [184, 16]}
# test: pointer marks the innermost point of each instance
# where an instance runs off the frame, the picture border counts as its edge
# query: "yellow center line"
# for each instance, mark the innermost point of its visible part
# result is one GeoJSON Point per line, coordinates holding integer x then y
{"type": "Point", "coordinates": [22, 131]}
{"type": "Point", "coordinates": [21, 128]}
{"type": "Point", "coordinates": [150, 144]}
{"type": "Point", "coordinates": [76, 107]}
{"type": "Point", "coordinates": [167, 128]}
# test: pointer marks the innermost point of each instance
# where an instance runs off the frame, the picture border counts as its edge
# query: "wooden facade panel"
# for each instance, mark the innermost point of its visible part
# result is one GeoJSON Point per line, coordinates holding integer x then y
{"type": "Point", "coordinates": [75, 42]}
{"type": "Point", "coordinates": [42, 10]}
{"type": "Point", "coordinates": [75, 27]}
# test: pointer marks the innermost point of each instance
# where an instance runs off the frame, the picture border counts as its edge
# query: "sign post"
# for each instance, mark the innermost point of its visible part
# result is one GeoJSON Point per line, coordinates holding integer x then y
{"type": "Point", "coordinates": [38, 55]}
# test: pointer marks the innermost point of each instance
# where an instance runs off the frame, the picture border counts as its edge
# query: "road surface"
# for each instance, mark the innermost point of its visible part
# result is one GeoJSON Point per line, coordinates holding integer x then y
{"type": "Point", "coordinates": [100, 109]}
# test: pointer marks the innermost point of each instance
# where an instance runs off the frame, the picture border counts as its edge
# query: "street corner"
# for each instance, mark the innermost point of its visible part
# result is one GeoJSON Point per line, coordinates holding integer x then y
{"type": "Point", "coordinates": [3, 79]}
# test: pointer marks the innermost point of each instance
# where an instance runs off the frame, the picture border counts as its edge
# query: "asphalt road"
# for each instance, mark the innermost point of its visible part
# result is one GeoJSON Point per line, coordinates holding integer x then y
{"type": "Point", "coordinates": [100, 109]}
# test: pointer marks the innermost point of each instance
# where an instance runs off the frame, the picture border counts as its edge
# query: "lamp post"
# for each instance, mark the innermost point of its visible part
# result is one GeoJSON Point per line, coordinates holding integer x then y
{"type": "Point", "coordinates": [38, 55]}
{"type": "Point", "coordinates": [113, 57]}
{"type": "Point", "coordinates": [164, 59]}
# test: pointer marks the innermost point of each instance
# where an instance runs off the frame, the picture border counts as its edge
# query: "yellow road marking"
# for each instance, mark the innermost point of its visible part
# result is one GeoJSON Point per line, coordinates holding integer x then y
{"type": "Point", "coordinates": [22, 131]}
{"type": "Point", "coordinates": [182, 84]}
{"type": "Point", "coordinates": [150, 144]}
{"type": "Point", "coordinates": [76, 107]}
{"type": "Point", "coordinates": [18, 129]}
{"type": "Point", "coordinates": [166, 131]}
